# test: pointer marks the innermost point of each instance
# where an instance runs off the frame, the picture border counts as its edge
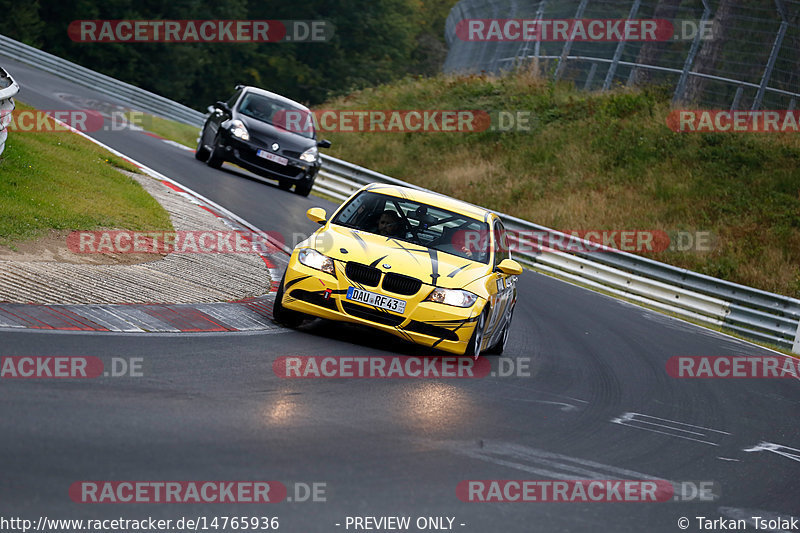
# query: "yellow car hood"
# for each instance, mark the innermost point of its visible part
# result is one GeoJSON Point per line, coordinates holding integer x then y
{"type": "Point", "coordinates": [430, 266]}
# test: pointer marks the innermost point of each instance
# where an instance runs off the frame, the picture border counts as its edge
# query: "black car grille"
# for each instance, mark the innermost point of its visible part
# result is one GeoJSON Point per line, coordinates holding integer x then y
{"type": "Point", "coordinates": [314, 298]}
{"type": "Point", "coordinates": [431, 330]}
{"type": "Point", "coordinates": [373, 315]}
{"type": "Point", "coordinates": [400, 284]}
{"type": "Point", "coordinates": [366, 275]}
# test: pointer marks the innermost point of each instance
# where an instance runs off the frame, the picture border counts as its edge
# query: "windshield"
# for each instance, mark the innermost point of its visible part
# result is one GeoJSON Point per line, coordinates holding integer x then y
{"type": "Point", "coordinates": [277, 113]}
{"type": "Point", "coordinates": [417, 223]}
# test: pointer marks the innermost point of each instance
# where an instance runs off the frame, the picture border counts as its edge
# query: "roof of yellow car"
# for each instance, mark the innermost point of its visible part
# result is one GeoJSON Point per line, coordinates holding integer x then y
{"type": "Point", "coordinates": [431, 198]}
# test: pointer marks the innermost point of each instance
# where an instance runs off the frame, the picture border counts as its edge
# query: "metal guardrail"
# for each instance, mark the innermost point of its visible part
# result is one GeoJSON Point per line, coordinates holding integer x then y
{"type": "Point", "coordinates": [130, 95]}
{"type": "Point", "coordinates": [8, 89]}
{"type": "Point", "coordinates": [747, 311]}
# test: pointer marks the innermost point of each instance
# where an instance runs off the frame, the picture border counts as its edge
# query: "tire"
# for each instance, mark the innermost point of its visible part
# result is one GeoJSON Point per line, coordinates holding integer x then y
{"type": "Point", "coordinates": [474, 345]}
{"type": "Point", "coordinates": [498, 347]}
{"type": "Point", "coordinates": [304, 187]}
{"type": "Point", "coordinates": [201, 153]}
{"type": "Point", "coordinates": [283, 316]}
{"type": "Point", "coordinates": [215, 158]}
{"type": "Point", "coordinates": [284, 185]}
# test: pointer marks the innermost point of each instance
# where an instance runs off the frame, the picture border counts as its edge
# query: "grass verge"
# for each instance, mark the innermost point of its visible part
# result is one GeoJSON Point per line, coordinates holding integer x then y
{"type": "Point", "coordinates": [60, 181]}
{"type": "Point", "coordinates": [169, 129]}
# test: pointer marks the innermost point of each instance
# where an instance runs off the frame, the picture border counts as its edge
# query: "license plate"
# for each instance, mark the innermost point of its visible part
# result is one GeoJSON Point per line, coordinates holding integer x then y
{"type": "Point", "coordinates": [378, 300]}
{"type": "Point", "coordinates": [272, 157]}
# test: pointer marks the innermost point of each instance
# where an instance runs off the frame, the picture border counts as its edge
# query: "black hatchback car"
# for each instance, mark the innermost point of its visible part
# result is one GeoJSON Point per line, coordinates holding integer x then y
{"type": "Point", "coordinates": [250, 130]}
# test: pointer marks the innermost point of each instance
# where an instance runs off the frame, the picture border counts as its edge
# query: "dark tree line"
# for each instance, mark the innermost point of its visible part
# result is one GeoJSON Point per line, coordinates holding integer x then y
{"type": "Point", "coordinates": [375, 41]}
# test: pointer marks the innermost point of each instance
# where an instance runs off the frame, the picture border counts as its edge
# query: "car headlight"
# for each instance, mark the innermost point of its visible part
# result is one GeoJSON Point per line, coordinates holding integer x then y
{"type": "Point", "coordinates": [313, 259]}
{"type": "Point", "coordinates": [238, 130]}
{"type": "Point", "coordinates": [455, 297]}
{"type": "Point", "coordinates": [310, 155]}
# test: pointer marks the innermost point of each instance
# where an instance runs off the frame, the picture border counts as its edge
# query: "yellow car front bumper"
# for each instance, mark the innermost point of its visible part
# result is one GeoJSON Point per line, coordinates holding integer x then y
{"type": "Point", "coordinates": [323, 295]}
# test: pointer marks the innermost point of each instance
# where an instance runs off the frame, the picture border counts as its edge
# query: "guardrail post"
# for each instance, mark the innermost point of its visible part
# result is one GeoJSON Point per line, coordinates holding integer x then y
{"type": "Point", "coordinates": [796, 345]}
{"type": "Point", "coordinates": [612, 70]}
{"type": "Point", "coordinates": [568, 45]}
{"type": "Point", "coordinates": [773, 55]}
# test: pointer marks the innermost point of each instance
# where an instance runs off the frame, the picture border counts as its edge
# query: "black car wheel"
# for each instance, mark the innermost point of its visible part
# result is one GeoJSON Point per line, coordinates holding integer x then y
{"type": "Point", "coordinates": [304, 187]}
{"type": "Point", "coordinates": [215, 158]}
{"type": "Point", "coordinates": [500, 345]}
{"type": "Point", "coordinates": [201, 154]}
{"type": "Point", "coordinates": [283, 316]}
{"type": "Point", "coordinates": [285, 185]}
{"type": "Point", "coordinates": [474, 346]}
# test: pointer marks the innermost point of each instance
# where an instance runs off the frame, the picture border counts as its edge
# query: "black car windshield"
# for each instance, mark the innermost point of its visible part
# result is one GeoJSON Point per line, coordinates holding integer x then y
{"type": "Point", "coordinates": [278, 113]}
{"type": "Point", "coordinates": [417, 223]}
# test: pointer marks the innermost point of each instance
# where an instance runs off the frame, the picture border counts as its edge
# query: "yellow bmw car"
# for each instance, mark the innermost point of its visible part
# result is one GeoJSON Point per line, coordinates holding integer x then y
{"type": "Point", "coordinates": [419, 265]}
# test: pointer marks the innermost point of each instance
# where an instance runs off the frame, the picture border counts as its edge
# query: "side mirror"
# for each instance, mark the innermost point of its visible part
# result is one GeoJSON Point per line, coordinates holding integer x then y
{"type": "Point", "coordinates": [317, 214]}
{"type": "Point", "coordinates": [510, 267]}
{"type": "Point", "coordinates": [324, 143]}
{"type": "Point", "coordinates": [211, 109]}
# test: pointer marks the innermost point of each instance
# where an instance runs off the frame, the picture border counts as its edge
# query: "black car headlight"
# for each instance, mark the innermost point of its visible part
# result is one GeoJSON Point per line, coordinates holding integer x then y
{"type": "Point", "coordinates": [313, 259]}
{"type": "Point", "coordinates": [454, 297]}
{"type": "Point", "coordinates": [238, 130]}
{"type": "Point", "coordinates": [310, 155]}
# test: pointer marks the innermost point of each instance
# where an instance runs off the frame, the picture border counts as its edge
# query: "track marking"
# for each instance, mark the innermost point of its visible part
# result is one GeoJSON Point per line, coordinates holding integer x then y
{"type": "Point", "coordinates": [670, 428]}
{"type": "Point", "coordinates": [779, 449]}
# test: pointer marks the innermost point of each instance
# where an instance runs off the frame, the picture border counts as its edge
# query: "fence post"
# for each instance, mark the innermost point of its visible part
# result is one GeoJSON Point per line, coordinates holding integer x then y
{"type": "Point", "coordinates": [681, 87]}
{"type": "Point", "coordinates": [773, 55]}
{"type": "Point", "coordinates": [538, 45]}
{"type": "Point", "coordinates": [736, 98]}
{"type": "Point", "coordinates": [568, 44]}
{"type": "Point", "coordinates": [590, 77]}
{"type": "Point", "coordinates": [620, 47]}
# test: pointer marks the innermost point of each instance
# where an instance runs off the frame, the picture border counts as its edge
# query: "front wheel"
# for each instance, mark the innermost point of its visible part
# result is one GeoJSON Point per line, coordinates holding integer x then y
{"type": "Point", "coordinates": [201, 153]}
{"type": "Point", "coordinates": [500, 345]}
{"type": "Point", "coordinates": [474, 346]}
{"type": "Point", "coordinates": [281, 315]}
{"type": "Point", "coordinates": [215, 158]}
{"type": "Point", "coordinates": [304, 187]}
